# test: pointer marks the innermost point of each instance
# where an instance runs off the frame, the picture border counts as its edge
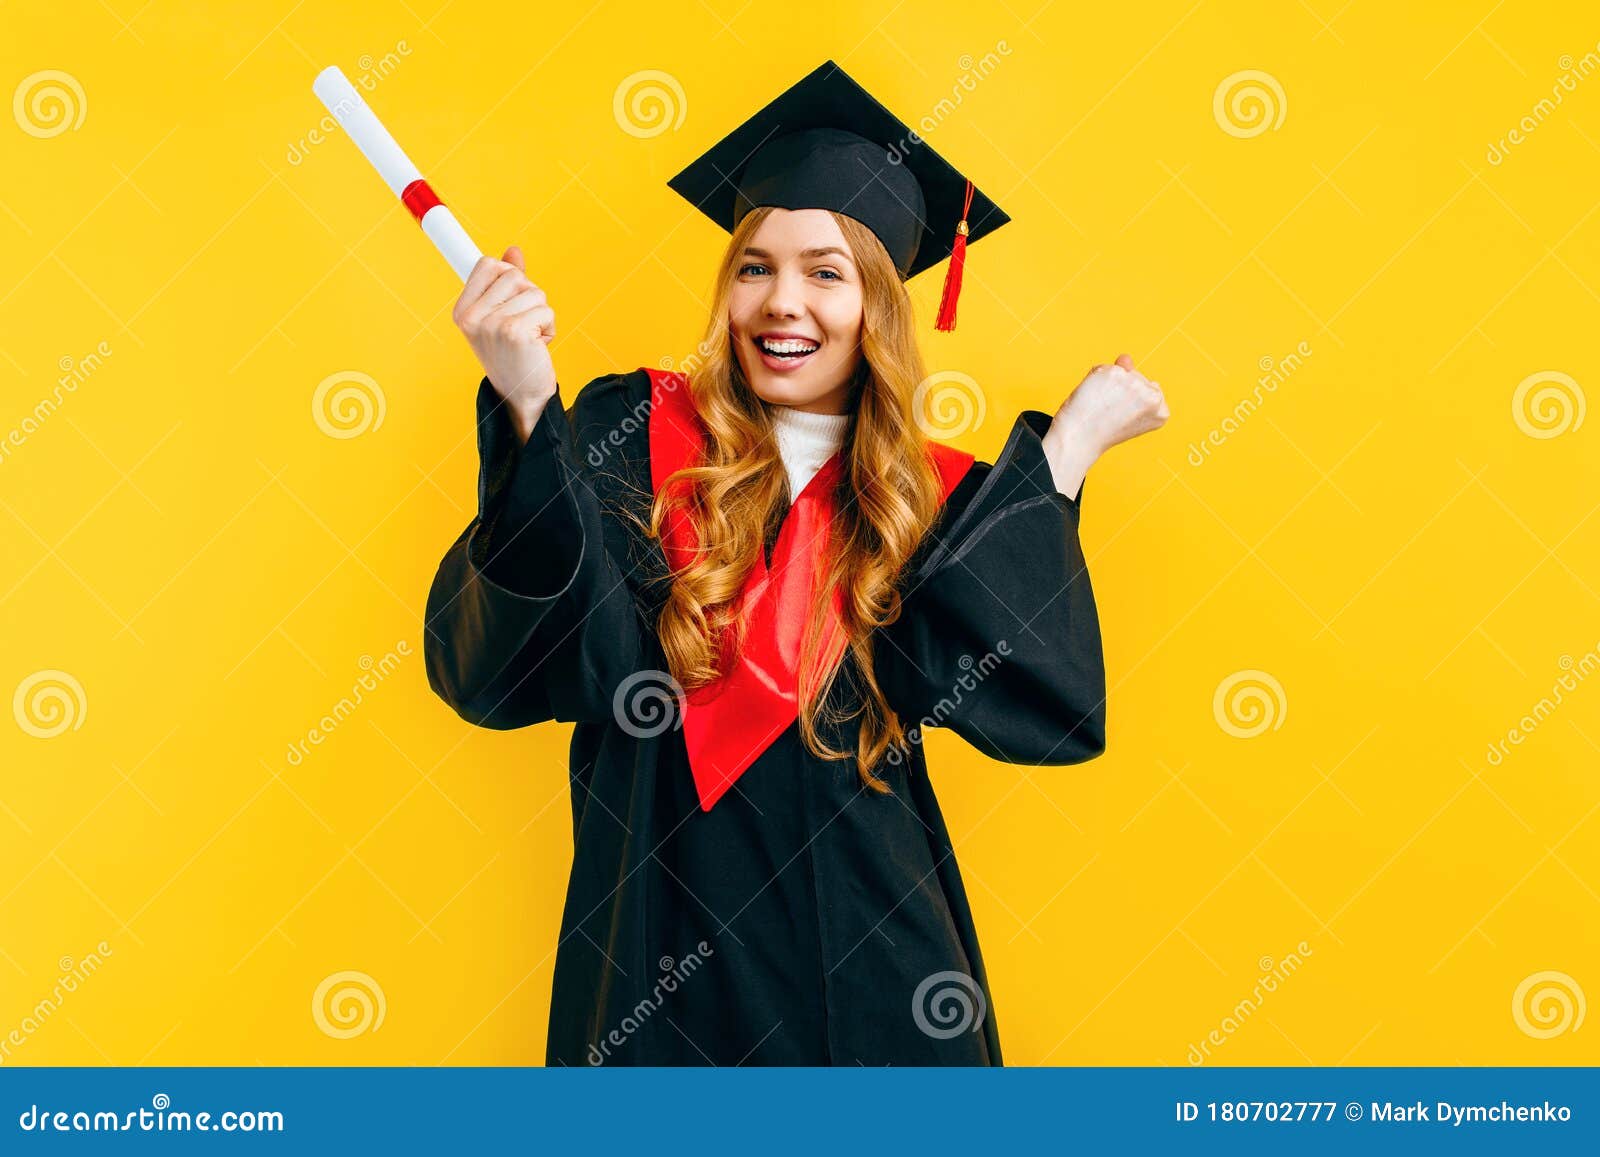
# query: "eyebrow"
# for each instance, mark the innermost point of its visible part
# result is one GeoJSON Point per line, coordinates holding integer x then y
{"type": "Point", "coordinates": [752, 251]}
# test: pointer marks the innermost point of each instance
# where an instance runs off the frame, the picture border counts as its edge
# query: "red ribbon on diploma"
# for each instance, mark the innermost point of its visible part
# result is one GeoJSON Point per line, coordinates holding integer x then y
{"type": "Point", "coordinates": [419, 197]}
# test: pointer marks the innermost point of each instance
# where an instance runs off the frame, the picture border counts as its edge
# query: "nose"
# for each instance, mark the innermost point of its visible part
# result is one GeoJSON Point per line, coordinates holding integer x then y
{"type": "Point", "coordinates": [783, 296]}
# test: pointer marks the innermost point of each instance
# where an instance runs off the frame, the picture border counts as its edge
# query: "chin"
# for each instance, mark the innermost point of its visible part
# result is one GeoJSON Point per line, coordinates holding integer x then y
{"type": "Point", "coordinates": [776, 390]}
{"type": "Point", "coordinates": [794, 389]}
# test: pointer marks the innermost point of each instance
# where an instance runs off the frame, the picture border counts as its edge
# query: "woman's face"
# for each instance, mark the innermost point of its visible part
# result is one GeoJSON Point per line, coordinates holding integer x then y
{"type": "Point", "coordinates": [798, 286]}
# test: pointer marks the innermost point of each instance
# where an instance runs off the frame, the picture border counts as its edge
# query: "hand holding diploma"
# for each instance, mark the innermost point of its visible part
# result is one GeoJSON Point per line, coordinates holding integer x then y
{"type": "Point", "coordinates": [504, 315]}
{"type": "Point", "coordinates": [509, 324]}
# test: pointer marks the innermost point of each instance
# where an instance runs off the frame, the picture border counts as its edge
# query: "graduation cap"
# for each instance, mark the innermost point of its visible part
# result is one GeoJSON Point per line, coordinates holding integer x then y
{"type": "Point", "coordinates": [826, 143]}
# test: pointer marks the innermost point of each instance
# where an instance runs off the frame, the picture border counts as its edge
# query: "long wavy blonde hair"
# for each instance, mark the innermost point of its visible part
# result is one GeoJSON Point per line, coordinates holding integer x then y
{"type": "Point", "coordinates": [736, 495]}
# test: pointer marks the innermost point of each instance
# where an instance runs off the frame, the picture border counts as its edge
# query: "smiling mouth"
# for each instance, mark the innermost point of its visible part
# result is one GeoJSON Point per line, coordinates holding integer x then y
{"type": "Point", "coordinates": [787, 348]}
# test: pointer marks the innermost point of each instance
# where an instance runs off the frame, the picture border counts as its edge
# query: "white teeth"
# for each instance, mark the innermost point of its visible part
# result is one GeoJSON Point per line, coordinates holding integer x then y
{"type": "Point", "coordinates": [787, 346]}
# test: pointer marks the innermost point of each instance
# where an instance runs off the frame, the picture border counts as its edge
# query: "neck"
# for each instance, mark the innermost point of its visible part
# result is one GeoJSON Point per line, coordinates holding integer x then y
{"type": "Point", "coordinates": [813, 425]}
{"type": "Point", "coordinates": [805, 441]}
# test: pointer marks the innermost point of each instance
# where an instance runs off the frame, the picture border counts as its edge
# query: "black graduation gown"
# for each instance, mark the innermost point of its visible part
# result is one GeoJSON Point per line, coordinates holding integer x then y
{"type": "Point", "coordinates": [803, 920]}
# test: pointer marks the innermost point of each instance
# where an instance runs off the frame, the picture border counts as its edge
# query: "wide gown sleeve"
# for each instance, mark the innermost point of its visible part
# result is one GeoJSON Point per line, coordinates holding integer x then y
{"type": "Point", "coordinates": [529, 617]}
{"type": "Point", "coordinates": [998, 637]}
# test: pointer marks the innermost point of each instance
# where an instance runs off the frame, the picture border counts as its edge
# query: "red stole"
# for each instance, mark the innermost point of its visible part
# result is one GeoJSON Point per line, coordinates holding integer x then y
{"type": "Point", "coordinates": [729, 723]}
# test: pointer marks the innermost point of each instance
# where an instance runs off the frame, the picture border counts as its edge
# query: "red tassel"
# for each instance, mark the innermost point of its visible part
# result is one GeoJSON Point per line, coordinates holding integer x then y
{"type": "Point", "coordinates": [952, 275]}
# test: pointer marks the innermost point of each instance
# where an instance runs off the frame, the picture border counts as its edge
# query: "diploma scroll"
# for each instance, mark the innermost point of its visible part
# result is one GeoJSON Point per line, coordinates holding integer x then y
{"type": "Point", "coordinates": [403, 178]}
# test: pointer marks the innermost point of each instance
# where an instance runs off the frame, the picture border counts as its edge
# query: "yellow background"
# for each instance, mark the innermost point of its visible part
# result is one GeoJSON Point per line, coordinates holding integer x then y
{"type": "Point", "coordinates": [1382, 537]}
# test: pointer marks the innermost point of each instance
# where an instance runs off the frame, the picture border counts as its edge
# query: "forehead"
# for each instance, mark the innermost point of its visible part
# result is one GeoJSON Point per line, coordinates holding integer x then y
{"type": "Point", "coordinates": [785, 232]}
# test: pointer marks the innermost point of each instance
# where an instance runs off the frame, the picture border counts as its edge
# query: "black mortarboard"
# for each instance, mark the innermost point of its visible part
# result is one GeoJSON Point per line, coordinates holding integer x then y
{"type": "Point", "coordinates": [825, 143]}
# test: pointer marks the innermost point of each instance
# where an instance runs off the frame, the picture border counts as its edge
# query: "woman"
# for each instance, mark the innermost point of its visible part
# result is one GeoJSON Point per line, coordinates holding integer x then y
{"type": "Point", "coordinates": [751, 588]}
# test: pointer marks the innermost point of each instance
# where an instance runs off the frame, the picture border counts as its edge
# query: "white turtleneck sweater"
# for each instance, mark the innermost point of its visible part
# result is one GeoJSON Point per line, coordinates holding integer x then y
{"type": "Point", "coordinates": [805, 442]}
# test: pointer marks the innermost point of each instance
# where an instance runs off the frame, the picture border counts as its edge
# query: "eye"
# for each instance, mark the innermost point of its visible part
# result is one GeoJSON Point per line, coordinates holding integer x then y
{"type": "Point", "coordinates": [833, 275]}
{"type": "Point", "coordinates": [747, 268]}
